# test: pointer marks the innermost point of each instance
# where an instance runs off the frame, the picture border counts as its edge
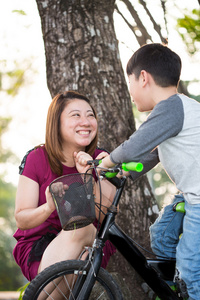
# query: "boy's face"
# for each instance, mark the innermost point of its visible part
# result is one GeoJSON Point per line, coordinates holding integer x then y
{"type": "Point", "coordinates": [137, 89]}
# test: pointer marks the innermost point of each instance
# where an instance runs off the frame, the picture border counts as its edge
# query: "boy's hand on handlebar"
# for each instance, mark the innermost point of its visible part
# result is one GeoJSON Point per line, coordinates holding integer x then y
{"type": "Point", "coordinates": [102, 155]}
{"type": "Point", "coordinates": [105, 164]}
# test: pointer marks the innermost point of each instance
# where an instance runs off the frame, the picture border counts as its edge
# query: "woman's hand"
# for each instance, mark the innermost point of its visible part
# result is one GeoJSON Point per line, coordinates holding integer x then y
{"type": "Point", "coordinates": [50, 203]}
{"type": "Point", "coordinates": [59, 188]}
{"type": "Point", "coordinates": [81, 159]}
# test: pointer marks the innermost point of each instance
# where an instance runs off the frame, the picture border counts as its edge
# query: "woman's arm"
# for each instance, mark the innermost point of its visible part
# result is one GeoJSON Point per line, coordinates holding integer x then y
{"type": "Point", "coordinates": [27, 212]}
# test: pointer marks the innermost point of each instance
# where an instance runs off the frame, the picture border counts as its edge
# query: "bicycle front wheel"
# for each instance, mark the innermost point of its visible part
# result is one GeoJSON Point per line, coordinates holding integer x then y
{"type": "Point", "coordinates": [64, 280]}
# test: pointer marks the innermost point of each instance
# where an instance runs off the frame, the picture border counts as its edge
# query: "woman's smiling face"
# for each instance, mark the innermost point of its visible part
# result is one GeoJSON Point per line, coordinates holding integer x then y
{"type": "Point", "coordinates": [78, 124]}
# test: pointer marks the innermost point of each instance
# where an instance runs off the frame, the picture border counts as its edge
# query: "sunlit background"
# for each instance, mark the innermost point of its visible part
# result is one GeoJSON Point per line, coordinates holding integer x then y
{"type": "Point", "coordinates": [22, 46]}
{"type": "Point", "coordinates": [22, 63]}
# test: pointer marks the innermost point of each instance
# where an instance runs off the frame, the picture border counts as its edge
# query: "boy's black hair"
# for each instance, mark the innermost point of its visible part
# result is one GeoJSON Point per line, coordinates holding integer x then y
{"type": "Point", "coordinates": [162, 63]}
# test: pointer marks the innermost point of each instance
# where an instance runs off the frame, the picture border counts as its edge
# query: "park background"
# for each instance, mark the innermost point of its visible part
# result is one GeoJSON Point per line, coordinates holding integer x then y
{"type": "Point", "coordinates": [24, 98]}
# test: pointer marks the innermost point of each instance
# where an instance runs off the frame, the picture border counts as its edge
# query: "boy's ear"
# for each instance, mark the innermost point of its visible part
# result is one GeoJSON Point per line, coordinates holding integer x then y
{"type": "Point", "coordinates": [144, 76]}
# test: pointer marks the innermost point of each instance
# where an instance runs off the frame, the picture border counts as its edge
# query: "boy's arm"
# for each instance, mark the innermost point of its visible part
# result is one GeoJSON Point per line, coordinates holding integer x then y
{"type": "Point", "coordinates": [149, 162]}
{"type": "Point", "coordinates": [165, 121]}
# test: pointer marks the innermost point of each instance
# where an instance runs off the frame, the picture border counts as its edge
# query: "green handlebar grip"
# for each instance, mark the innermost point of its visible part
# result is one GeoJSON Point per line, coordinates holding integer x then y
{"type": "Point", "coordinates": [110, 174]}
{"type": "Point", "coordinates": [132, 166]}
{"type": "Point", "coordinates": [180, 207]}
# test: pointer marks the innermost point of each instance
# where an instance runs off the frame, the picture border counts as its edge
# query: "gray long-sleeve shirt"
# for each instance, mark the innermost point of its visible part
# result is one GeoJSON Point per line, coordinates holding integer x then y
{"type": "Point", "coordinates": [171, 135]}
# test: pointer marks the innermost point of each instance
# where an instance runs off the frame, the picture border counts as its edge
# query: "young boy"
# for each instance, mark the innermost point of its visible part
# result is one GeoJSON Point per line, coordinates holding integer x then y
{"type": "Point", "coordinates": [171, 135]}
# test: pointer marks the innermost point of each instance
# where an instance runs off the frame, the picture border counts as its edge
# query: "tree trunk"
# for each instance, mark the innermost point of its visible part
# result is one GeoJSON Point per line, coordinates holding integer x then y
{"type": "Point", "coordinates": [82, 54]}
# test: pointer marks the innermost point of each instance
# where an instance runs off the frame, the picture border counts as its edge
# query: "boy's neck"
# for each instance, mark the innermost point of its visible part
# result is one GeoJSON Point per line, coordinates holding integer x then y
{"type": "Point", "coordinates": [161, 93]}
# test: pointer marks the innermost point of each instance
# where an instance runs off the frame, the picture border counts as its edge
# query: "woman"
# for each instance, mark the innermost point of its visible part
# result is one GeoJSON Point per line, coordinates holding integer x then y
{"type": "Point", "coordinates": [71, 128]}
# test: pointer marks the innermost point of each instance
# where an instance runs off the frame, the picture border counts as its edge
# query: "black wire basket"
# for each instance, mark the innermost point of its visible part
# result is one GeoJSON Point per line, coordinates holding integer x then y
{"type": "Point", "coordinates": [74, 199]}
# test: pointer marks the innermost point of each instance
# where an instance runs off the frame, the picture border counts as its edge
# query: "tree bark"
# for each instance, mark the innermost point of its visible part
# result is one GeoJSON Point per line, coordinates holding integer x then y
{"type": "Point", "coordinates": [82, 54]}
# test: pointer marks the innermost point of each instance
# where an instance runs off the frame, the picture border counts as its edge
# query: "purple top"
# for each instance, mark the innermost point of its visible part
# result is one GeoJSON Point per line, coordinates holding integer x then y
{"type": "Point", "coordinates": [35, 166]}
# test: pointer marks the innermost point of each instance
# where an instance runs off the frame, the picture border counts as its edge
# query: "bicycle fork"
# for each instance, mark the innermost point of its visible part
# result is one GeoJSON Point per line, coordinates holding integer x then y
{"type": "Point", "coordinates": [93, 271]}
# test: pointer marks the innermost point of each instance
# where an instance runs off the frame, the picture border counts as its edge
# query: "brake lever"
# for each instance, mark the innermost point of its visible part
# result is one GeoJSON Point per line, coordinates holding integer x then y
{"type": "Point", "coordinates": [94, 162]}
{"type": "Point", "coordinates": [117, 169]}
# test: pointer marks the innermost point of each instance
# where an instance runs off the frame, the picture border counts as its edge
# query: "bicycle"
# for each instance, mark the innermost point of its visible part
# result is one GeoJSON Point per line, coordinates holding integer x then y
{"type": "Point", "coordinates": [82, 280]}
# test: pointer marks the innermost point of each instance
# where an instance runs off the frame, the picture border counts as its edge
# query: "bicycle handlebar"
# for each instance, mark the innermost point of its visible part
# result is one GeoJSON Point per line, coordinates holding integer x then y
{"type": "Point", "coordinates": [112, 172]}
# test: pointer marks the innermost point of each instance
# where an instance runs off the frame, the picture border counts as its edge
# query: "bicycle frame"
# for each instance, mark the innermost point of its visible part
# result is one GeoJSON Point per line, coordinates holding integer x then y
{"type": "Point", "coordinates": [153, 271]}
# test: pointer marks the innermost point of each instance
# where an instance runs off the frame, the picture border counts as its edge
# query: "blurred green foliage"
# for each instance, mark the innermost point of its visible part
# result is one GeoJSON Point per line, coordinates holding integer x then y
{"type": "Point", "coordinates": [12, 77]}
{"type": "Point", "coordinates": [10, 274]}
{"type": "Point", "coordinates": [189, 29]}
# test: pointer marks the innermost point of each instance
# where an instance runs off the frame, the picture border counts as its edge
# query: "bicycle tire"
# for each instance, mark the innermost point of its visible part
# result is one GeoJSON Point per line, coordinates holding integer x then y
{"type": "Point", "coordinates": [105, 287]}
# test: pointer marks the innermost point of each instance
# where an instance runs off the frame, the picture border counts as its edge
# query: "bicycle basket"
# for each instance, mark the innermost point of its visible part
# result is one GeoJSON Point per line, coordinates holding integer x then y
{"type": "Point", "coordinates": [74, 200]}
